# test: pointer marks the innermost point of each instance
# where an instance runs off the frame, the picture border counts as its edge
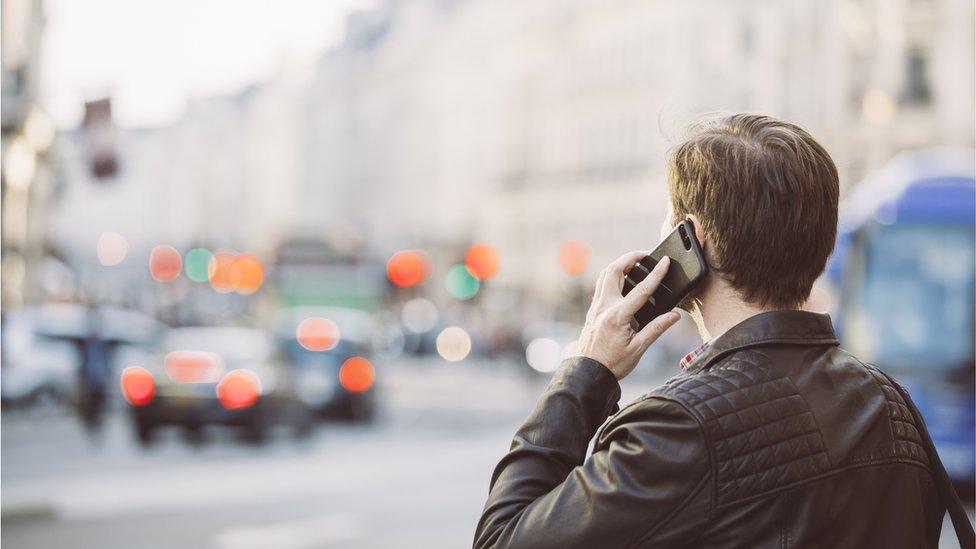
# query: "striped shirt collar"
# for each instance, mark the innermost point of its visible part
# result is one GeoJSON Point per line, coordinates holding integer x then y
{"type": "Point", "coordinates": [690, 357]}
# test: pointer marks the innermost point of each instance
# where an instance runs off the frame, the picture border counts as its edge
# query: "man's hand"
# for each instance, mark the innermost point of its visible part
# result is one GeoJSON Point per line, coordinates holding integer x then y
{"type": "Point", "coordinates": [607, 337]}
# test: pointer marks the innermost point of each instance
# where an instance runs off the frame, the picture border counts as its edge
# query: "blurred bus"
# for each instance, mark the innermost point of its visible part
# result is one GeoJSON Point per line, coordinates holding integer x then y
{"type": "Point", "coordinates": [904, 272]}
{"type": "Point", "coordinates": [309, 272]}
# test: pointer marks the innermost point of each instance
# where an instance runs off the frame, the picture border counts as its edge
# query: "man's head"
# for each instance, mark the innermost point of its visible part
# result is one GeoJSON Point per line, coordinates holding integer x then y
{"type": "Point", "coordinates": [763, 195]}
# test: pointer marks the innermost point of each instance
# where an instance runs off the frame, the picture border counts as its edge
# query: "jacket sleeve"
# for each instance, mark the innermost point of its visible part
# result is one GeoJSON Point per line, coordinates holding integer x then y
{"type": "Point", "coordinates": [647, 481]}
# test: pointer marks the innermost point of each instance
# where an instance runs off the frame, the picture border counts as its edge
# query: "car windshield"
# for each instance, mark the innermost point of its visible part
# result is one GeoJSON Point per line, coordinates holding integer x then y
{"type": "Point", "coordinates": [229, 343]}
{"type": "Point", "coordinates": [302, 357]}
{"type": "Point", "coordinates": [915, 305]}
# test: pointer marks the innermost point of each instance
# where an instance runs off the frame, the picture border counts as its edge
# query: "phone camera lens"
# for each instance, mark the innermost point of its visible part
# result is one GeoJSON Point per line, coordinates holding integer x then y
{"type": "Point", "coordinates": [684, 237]}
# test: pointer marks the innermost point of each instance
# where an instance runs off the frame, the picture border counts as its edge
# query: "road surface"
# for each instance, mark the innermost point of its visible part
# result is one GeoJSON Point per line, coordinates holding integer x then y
{"type": "Point", "coordinates": [417, 477]}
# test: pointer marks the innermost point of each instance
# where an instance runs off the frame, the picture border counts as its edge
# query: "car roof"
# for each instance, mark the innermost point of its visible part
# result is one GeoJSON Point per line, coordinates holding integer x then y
{"type": "Point", "coordinates": [242, 342]}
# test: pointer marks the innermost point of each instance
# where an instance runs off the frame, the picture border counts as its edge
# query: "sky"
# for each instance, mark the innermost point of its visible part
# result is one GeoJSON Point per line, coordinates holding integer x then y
{"type": "Point", "coordinates": [151, 56]}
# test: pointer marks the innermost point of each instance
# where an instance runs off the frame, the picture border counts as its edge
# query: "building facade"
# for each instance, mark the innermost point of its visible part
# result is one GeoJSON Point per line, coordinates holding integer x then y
{"type": "Point", "coordinates": [439, 123]}
{"type": "Point", "coordinates": [29, 175]}
{"type": "Point", "coordinates": [525, 124]}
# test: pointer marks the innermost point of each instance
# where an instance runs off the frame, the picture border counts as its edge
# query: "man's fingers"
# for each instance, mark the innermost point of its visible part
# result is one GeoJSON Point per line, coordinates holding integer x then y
{"type": "Point", "coordinates": [642, 292]}
{"type": "Point", "coordinates": [613, 279]}
{"type": "Point", "coordinates": [598, 288]}
{"type": "Point", "coordinates": [654, 329]}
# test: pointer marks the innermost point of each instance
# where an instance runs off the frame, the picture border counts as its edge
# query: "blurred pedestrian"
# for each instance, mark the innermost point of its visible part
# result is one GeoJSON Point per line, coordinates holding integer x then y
{"type": "Point", "coordinates": [770, 434]}
{"type": "Point", "coordinates": [93, 375]}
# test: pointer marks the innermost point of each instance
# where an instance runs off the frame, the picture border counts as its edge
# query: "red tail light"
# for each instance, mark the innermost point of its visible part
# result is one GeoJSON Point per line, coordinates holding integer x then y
{"type": "Point", "coordinates": [357, 375]}
{"type": "Point", "coordinates": [239, 389]}
{"type": "Point", "coordinates": [138, 386]}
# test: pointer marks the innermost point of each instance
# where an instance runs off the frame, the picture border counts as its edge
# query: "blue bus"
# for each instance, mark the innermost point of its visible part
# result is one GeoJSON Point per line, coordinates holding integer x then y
{"type": "Point", "coordinates": [904, 270]}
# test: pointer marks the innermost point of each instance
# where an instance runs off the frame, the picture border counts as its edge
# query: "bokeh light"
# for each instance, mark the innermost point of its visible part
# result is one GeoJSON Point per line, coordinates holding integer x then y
{"type": "Point", "coordinates": [453, 344]}
{"type": "Point", "coordinates": [878, 108]}
{"type": "Point", "coordinates": [239, 389]}
{"type": "Point", "coordinates": [197, 264]}
{"type": "Point", "coordinates": [419, 315]}
{"type": "Point", "coordinates": [317, 334]}
{"type": "Point", "coordinates": [482, 261]}
{"type": "Point", "coordinates": [39, 129]}
{"type": "Point", "coordinates": [221, 273]}
{"type": "Point", "coordinates": [138, 386]}
{"type": "Point", "coordinates": [246, 274]}
{"type": "Point", "coordinates": [408, 268]}
{"type": "Point", "coordinates": [165, 263]}
{"type": "Point", "coordinates": [543, 354]}
{"type": "Point", "coordinates": [460, 283]}
{"type": "Point", "coordinates": [356, 375]}
{"type": "Point", "coordinates": [112, 248]}
{"type": "Point", "coordinates": [19, 163]}
{"type": "Point", "coordinates": [574, 257]}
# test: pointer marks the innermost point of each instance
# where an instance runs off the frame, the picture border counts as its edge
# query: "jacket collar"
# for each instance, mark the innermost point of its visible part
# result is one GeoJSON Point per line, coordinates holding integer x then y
{"type": "Point", "coordinates": [773, 328]}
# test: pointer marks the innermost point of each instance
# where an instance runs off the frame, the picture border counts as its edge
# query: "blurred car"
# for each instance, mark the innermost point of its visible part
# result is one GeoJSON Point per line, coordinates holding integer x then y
{"type": "Point", "coordinates": [43, 347]}
{"type": "Point", "coordinates": [36, 367]}
{"type": "Point", "coordinates": [336, 379]}
{"type": "Point", "coordinates": [214, 376]}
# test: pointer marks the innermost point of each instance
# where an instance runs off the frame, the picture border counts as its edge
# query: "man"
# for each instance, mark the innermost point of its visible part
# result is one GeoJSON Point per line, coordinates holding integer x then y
{"type": "Point", "coordinates": [771, 435]}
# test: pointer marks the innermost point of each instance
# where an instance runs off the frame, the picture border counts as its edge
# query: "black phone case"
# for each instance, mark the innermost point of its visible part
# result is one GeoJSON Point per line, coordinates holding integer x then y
{"type": "Point", "coordinates": [687, 269]}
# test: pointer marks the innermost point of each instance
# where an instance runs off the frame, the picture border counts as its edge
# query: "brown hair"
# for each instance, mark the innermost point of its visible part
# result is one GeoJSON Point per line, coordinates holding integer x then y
{"type": "Point", "coordinates": [766, 194]}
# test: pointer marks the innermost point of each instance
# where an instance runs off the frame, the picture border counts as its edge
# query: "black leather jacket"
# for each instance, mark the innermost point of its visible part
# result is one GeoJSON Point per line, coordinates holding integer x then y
{"type": "Point", "coordinates": [774, 437]}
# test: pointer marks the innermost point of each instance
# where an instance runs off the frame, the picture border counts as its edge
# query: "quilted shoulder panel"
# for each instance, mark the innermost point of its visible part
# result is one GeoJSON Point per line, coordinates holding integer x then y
{"type": "Point", "coordinates": [906, 442]}
{"type": "Point", "coordinates": [763, 432]}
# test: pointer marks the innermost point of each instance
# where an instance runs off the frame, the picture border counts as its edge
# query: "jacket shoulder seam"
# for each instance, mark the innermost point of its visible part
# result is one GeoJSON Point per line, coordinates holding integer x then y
{"type": "Point", "coordinates": [878, 386]}
{"type": "Point", "coordinates": [684, 503]}
{"type": "Point", "coordinates": [711, 472]}
{"type": "Point", "coordinates": [712, 463]}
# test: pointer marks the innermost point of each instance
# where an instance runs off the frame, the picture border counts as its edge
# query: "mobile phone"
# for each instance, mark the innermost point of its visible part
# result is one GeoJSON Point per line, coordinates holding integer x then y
{"type": "Point", "coordinates": [688, 268]}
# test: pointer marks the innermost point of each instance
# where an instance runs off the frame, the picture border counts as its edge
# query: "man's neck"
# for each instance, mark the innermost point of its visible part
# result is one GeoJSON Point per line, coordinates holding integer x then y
{"type": "Point", "coordinates": [714, 314]}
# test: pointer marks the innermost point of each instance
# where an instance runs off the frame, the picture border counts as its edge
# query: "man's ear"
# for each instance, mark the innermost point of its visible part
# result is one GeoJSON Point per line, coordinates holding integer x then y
{"type": "Point", "coordinates": [699, 231]}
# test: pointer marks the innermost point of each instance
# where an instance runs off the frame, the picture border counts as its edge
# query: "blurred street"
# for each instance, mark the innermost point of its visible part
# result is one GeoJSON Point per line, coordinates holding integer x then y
{"type": "Point", "coordinates": [416, 478]}
{"type": "Point", "coordinates": [292, 278]}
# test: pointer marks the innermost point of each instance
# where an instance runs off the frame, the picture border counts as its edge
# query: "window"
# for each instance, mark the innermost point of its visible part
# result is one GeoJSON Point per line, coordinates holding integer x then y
{"type": "Point", "coordinates": [916, 90]}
